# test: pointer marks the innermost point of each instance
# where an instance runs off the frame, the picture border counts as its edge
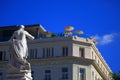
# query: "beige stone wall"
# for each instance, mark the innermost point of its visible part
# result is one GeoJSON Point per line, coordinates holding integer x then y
{"type": "Point", "coordinates": [96, 74]}
{"type": "Point", "coordinates": [56, 70]}
{"type": "Point", "coordinates": [73, 50]}
{"type": "Point", "coordinates": [56, 45]}
{"type": "Point", "coordinates": [100, 63]}
{"type": "Point", "coordinates": [87, 50]}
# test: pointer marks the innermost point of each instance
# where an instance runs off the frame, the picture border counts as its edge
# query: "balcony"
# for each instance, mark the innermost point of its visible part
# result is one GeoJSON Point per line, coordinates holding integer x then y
{"type": "Point", "coordinates": [99, 70]}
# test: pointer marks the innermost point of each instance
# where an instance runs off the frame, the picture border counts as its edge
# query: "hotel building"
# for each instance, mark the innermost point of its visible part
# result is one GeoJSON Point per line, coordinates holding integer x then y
{"type": "Point", "coordinates": [56, 56]}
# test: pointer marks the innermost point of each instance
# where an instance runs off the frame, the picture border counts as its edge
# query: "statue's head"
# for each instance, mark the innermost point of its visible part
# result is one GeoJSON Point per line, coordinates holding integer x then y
{"type": "Point", "coordinates": [22, 26]}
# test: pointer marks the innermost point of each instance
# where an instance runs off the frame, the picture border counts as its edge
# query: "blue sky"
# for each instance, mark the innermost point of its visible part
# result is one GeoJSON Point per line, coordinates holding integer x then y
{"type": "Point", "coordinates": [99, 18]}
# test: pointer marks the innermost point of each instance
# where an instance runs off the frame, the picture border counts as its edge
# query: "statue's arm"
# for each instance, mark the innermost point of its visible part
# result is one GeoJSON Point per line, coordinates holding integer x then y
{"type": "Point", "coordinates": [12, 37]}
{"type": "Point", "coordinates": [29, 35]}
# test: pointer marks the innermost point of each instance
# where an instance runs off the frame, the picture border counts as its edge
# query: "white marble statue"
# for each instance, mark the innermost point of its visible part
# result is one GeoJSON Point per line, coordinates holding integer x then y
{"type": "Point", "coordinates": [19, 49]}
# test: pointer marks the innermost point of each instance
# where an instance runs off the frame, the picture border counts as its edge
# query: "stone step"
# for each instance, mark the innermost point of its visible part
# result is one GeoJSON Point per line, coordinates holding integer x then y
{"type": "Point", "coordinates": [15, 75]}
{"type": "Point", "coordinates": [19, 76]}
{"type": "Point", "coordinates": [17, 79]}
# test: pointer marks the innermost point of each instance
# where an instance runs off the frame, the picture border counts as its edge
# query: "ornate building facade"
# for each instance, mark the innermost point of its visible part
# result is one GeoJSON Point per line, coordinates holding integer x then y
{"type": "Point", "coordinates": [56, 56]}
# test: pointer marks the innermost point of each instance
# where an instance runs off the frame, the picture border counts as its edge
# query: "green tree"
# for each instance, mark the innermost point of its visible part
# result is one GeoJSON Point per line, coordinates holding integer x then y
{"type": "Point", "coordinates": [116, 76]}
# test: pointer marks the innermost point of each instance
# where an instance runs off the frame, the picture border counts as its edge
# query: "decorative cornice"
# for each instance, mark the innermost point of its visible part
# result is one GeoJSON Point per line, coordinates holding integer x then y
{"type": "Point", "coordinates": [101, 58]}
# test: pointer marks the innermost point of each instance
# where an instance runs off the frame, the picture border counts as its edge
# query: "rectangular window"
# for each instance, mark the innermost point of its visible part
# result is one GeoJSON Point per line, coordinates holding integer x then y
{"type": "Point", "coordinates": [64, 73]}
{"type": "Point", "coordinates": [4, 55]}
{"type": "Point", "coordinates": [81, 52]}
{"type": "Point", "coordinates": [48, 75]}
{"type": "Point", "coordinates": [92, 55]}
{"type": "Point", "coordinates": [48, 52]}
{"type": "Point", "coordinates": [96, 58]}
{"type": "Point", "coordinates": [1, 76]}
{"type": "Point", "coordinates": [43, 52]}
{"type": "Point", "coordinates": [33, 53]}
{"type": "Point", "coordinates": [32, 73]}
{"type": "Point", "coordinates": [82, 75]}
{"type": "Point", "coordinates": [65, 51]}
{"type": "Point", "coordinates": [1, 53]}
{"type": "Point", "coordinates": [52, 52]}
{"type": "Point", "coordinates": [96, 77]}
{"type": "Point", "coordinates": [92, 75]}
{"type": "Point", "coordinates": [98, 63]}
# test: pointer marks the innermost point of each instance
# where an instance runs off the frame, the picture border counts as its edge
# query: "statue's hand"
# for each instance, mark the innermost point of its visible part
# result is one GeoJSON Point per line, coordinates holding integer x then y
{"type": "Point", "coordinates": [25, 57]}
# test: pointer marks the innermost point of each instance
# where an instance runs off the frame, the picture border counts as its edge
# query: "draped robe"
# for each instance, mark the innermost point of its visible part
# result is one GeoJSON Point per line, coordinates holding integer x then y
{"type": "Point", "coordinates": [18, 48]}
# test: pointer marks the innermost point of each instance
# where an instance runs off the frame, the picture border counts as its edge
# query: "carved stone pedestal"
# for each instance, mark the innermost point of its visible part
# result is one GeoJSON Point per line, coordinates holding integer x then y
{"type": "Point", "coordinates": [17, 74]}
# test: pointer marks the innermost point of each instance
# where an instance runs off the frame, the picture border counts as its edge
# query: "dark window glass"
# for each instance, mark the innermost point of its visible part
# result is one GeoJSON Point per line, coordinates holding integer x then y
{"type": "Point", "coordinates": [47, 74]}
{"type": "Point", "coordinates": [43, 52]}
{"type": "Point", "coordinates": [1, 78]}
{"type": "Point", "coordinates": [82, 74]}
{"type": "Point", "coordinates": [65, 51]}
{"type": "Point", "coordinates": [64, 73]}
{"type": "Point", "coordinates": [1, 54]}
{"type": "Point", "coordinates": [48, 52]}
{"type": "Point", "coordinates": [81, 52]}
{"type": "Point", "coordinates": [32, 75]}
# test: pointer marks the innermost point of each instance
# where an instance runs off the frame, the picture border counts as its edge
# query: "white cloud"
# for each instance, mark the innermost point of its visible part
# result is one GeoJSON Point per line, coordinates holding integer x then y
{"type": "Point", "coordinates": [105, 39]}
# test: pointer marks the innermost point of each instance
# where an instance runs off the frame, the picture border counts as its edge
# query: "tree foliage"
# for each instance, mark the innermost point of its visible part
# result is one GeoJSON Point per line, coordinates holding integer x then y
{"type": "Point", "coordinates": [116, 76]}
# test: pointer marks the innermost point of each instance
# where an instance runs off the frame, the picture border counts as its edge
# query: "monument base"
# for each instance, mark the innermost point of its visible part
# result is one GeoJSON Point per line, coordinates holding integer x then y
{"type": "Point", "coordinates": [17, 74]}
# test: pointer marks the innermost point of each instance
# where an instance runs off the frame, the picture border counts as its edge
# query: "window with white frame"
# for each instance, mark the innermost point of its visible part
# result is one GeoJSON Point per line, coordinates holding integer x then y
{"type": "Point", "coordinates": [33, 53]}
{"type": "Point", "coordinates": [96, 77]}
{"type": "Point", "coordinates": [65, 73]}
{"type": "Point", "coordinates": [82, 74]}
{"type": "Point", "coordinates": [48, 75]}
{"type": "Point", "coordinates": [92, 75]}
{"type": "Point", "coordinates": [65, 51]}
{"type": "Point", "coordinates": [48, 52]}
{"type": "Point", "coordinates": [81, 52]}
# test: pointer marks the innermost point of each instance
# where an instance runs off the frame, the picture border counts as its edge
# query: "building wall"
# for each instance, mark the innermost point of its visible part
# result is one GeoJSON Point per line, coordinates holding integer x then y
{"type": "Point", "coordinates": [57, 46]}
{"type": "Point", "coordinates": [54, 67]}
{"type": "Point", "coordinates": [36, 49]}
{"type": "Point", "coordinates": [101, 64]}
{"type": "Point", "coordinates": [95, 75]}
{"type": "Point", "coordinates": [4, 51]}
{"type": "Point", "coordinates": [90, 53]}
{"type": "Point", "coordinates": [76, 52]}
{"type": "Point", "coordinates": [76, 71]}
{"type": "Point", "coordinates": [3, 69]}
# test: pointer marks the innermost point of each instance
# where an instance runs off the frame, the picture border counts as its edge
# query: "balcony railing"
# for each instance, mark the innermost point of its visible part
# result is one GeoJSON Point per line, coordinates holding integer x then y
{"type": "Point", "coordinates": [37, 36]}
